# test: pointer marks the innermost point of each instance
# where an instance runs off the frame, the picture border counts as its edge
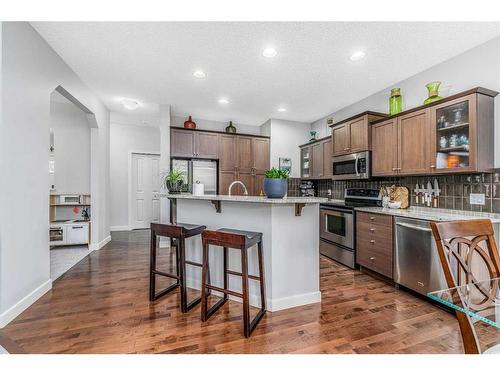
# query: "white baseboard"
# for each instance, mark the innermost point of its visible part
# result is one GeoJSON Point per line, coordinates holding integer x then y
{"type": "Point", "coordinates": [10, 314]}
{"type": "Point", "coordinates": [293, 301]}
{"type": "Point", "coordinates": [118, 228]}
{"type": "Point", "coordinates": [99, 245]}
{"type": "Point", "coordinates": [272, 304]}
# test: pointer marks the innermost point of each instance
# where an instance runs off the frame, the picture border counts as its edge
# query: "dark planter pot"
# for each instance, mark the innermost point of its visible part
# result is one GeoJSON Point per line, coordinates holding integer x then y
{"type": "Point", "coordinates": [275, 187]}
{"type": "Point", "coordinates": [174, 187]}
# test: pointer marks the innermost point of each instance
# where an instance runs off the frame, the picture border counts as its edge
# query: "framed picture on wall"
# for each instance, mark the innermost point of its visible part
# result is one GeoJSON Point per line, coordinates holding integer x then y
{"type": "Point", "coordinates": [285, 164]}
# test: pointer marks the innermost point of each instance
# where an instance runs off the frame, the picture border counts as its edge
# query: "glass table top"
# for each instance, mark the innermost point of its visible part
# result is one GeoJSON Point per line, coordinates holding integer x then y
{"type": "Point", "coordinates": [480, 300]}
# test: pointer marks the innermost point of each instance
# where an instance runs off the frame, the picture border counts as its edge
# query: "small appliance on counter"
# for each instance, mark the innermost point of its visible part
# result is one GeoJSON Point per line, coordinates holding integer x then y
{"type": "Point", "coordinates": [338, 224]}
{"type": "Point", "coordinates": [198, 188]}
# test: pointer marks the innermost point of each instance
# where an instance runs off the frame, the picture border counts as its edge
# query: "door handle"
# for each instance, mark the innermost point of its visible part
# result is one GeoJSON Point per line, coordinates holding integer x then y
{"type": "Point", "coordinates": [414, 227]}
{"type": "Point", "coordinates": [372, 241]}
{"type": "Point", "coordinates": [356, 165]}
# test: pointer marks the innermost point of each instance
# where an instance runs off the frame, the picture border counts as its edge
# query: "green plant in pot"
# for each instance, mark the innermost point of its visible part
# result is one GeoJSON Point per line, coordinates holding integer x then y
{"type": "Point", "coordinates": [276, 183]}
{"type": "Point", "coordinates": [174, 181]}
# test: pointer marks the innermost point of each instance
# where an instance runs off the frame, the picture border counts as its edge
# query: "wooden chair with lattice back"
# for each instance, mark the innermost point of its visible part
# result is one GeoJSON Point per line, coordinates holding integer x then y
{"type": "Point", "coordinates": [460, 244]}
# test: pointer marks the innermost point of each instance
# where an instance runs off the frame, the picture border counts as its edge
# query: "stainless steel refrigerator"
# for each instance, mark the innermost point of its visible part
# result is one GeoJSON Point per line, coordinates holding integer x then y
{"type": "Point", "coordinates": [204, 171]}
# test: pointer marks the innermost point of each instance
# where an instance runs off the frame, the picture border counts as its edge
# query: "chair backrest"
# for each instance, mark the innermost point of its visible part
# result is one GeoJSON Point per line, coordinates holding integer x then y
{"type": "Point", "coordinates": [460, 244]}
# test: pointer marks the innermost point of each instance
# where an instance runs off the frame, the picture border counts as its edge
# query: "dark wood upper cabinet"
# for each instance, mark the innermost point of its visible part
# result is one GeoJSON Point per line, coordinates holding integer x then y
{"type": "Point", "coordinates": [207, 145]}
{"type": "Point", "coordinates": [317, 159]}
{"type": "Point", "coordinates": [186, 143]}
{"type": "Point", "coordinates": [449, 136]}
{"type": "Point", "coordinates": [327, 158]}
{"type": "Point", "coordinates": [353, 134]}
{"type": "Point", "coordinates": [260, 155]}
{"type": "Point", "coordinates": [385, 148]}
{"type": "Point", "coordinates": [228, 157]}
{"type": "Point", "coordinates": [413, 143]}
{"type": "Point", "coordinates": [244, 146]}
{"type": "Point", "coordinates": [182, 143]}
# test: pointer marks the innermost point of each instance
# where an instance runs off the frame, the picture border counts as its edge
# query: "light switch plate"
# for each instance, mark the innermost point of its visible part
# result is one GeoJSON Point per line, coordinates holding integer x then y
{"type": "Point", "coordinates": [477, 199]}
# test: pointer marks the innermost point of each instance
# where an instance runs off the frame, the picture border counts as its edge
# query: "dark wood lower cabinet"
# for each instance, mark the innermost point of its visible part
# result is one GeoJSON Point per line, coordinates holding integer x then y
{"type": "Point", "coordinates": [225, 179]}
{"type": "Point", "coordinates": [374, 242]}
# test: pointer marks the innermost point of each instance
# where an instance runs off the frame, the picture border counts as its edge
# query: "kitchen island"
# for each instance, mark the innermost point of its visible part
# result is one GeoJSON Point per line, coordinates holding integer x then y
{"type": "Point", "coordinates": [290, 228]}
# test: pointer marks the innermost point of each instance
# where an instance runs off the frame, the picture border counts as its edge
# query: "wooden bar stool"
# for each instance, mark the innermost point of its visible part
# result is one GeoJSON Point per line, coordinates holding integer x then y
{"type": "Point", "coordinates": [236, 239]}
{"type": "Point", "coordinates": [178, 232]}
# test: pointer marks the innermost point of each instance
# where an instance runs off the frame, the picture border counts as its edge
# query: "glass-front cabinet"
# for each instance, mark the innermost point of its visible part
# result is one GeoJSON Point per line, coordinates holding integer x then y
{"type": "Point", "coordinates": [453, 126]}
{"type": "Point", "coordinates": [305, 162]}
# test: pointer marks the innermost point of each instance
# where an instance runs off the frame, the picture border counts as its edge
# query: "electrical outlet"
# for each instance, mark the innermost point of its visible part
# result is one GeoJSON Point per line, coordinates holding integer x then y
{"type": "Point", "coordinates": [477, 199]}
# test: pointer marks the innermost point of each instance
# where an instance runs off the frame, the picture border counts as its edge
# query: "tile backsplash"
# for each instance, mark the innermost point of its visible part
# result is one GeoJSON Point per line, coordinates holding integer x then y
{"type": "Point", "coordinates": [455, 189]}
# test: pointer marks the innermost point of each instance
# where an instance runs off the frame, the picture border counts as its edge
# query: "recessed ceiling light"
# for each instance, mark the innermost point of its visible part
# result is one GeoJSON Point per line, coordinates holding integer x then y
{"type": "Point", "coordinates": [199, 74]}
{"type": "Point", "coordinates": [223, 101]}
{"type": "Point", "coordinates": [281, 109]}
{"type": "Point", "coordinates": [130, 104]}
{"type": "Point", "coordinates": [356, 56]}
{"type": "Point", "coordinates": [269, 52]}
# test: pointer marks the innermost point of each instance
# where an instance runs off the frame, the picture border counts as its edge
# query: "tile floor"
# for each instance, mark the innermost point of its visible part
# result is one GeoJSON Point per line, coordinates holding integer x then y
{"type": "Point", "coordinates": [63, 258]}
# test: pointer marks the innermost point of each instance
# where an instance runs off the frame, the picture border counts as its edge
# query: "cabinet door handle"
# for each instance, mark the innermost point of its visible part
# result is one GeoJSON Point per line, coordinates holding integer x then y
{"type": "Point", "coordinates": [394, 169]}
{"type": "Point", "coordinates": [372, 218]}
{"type": "Point", "coordinates": [372, 241]}
{"type": "Point", "coordinates": [433, 166]}
{"type": "Point", "coordinates": [372, 258]}
{"type": "Point", "coordinates": [372, 229]}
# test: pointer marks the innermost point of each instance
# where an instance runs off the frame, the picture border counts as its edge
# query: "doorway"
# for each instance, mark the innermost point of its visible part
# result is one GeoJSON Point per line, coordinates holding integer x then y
{"type": "Point", "coordinates": [69, 184]}
{"type": "Point", "coordinates": [144, 206]}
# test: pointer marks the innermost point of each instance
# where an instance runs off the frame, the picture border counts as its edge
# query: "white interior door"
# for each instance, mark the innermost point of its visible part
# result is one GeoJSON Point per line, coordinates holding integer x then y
{"type": "Point", "coordinates": [145, 205]}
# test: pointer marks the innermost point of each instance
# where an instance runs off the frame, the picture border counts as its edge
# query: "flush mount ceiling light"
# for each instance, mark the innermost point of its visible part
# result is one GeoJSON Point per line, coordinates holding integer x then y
{"type": "Point", "coordinates": [199, 74]}
{"type": "Point", "coordinates": [223, 101]}
{"type": "Point", "coordinates": [130, 104]}
{"type": "Point", "coordinates": [269, 52]}
{"type": "Point", "coordinates": [281, 109]}
{"type": "Point", "coordinates": [356, 56]}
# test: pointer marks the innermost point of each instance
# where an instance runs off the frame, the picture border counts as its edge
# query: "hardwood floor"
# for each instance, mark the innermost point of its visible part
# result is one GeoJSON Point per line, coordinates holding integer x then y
{"type": "Point", "coordinates": [101, 306]}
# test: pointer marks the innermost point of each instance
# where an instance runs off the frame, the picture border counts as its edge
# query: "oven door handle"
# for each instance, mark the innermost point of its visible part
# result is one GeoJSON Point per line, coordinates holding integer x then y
{"type": "Point", "coordinates": [356, 165]}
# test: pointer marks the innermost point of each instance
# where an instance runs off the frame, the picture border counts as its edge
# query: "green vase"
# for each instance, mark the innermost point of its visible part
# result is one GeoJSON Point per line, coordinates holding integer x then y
{"type": "Point", "coordinates": [231, 128]}
{"type": "Point", "coordinates": [433, 88]}
{"type": "Point", "coordinates": [395, 102]}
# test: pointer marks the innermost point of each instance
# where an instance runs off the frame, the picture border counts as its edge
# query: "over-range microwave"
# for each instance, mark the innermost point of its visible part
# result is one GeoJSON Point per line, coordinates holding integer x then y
{"type": "Point", "coordinates": [355, 166]}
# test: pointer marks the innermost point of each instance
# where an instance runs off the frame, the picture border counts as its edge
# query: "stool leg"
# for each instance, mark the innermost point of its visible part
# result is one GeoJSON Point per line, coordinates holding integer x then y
{"type": "Point", "coordinates": [244, 290]}
{"type": "Point", "coordinates": [261, 276]}
{"type": "Point", "coordinates": [152, 266]}
{"type": "Point", "coordinates": [181, 271]}
{"type": "Point", "coordinates": [226, 275]}
{"type": "Point", "coordinates": [204, 271]}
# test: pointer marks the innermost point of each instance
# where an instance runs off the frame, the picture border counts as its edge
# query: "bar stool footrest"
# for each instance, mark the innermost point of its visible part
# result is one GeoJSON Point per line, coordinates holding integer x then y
{"type": "Point", "coordinates": [165, 291]}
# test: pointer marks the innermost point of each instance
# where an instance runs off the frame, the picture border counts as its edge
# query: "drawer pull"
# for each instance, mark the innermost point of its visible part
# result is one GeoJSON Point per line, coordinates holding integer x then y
{"type": "Point", "coordinates": [372, 241]}
{"type": "Point", "coordinates": [372, 258]}
{"type": "Point", "coordinates": [372, 218]}
{"type": "Point", "coordinates": [372, 229]}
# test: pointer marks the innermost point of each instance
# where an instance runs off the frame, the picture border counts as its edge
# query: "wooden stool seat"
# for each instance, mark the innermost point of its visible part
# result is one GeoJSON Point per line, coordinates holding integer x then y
{"type": "Point", "coordinates": [237, 239]}
{"type": "Point", "coordinates": [178, 233]}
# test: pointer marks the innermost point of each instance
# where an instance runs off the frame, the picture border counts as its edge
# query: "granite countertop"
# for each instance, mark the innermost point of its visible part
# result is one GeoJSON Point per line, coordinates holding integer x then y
{"type": "Point", "coordinates": [432, 214]}
{"type": "Point", "coordinates": [248, 198]}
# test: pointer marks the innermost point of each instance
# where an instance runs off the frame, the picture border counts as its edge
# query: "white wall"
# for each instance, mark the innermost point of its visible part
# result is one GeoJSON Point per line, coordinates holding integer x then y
{"type": "Point", "coordinates": [286, 136]}
{"type": "Point", "coordinates": [123, 140]}
{"type": "Point", "coordinates": [479, 66]}
{"type": "Point", "coordinates": [31, 70]}
{"type": "Point", "coordinates": [72, 147]}
{"type": "Point", "coordinates": [215, 125]}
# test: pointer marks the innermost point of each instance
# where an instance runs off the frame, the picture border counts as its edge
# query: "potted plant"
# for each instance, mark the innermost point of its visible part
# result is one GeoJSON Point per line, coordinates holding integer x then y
{"type": "Point", "coordinates": [174, 181]}
{"type": "Point", "coordinates": [276, 183]}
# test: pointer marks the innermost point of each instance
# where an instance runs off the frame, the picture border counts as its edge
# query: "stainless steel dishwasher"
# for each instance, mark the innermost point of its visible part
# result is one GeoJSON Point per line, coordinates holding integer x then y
{"type": "Point", "coordinates": [416, 264]}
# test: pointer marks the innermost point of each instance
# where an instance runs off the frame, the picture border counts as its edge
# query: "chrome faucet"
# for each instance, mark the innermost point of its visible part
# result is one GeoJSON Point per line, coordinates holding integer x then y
{"type": "Point", "coordinates": [240, 183]}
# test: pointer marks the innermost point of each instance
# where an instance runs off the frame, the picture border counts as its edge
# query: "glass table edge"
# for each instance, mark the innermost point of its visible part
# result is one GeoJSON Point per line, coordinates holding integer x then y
{"type": "Point", "coordinates": [461, 309]}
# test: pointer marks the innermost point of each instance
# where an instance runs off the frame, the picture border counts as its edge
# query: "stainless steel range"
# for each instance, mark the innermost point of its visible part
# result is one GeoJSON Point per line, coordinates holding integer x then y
{"type": "Point", "coordinates": [338, 224]}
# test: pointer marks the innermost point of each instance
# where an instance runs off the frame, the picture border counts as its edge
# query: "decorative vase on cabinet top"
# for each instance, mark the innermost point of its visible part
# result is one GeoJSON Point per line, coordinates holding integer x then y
{"type": "Point", "coordinates": [231, 128]}
{"type": "Point", "coordinates": [395, 102]}
{"type": "Point", "coordinates": [189, 123]}
{"type": "Point", "coordinates": [433, 88]}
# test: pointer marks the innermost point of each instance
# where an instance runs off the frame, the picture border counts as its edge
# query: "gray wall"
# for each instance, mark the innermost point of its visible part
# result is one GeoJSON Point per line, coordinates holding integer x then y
{"type": "Point", "coordinates": [72, 147]}
{"type": "Point", "coordinates": [479, 66]}
{"type": "Point", "coordinates": [124, 139]}
{"type": "Point", "coordinates": [31, 70]}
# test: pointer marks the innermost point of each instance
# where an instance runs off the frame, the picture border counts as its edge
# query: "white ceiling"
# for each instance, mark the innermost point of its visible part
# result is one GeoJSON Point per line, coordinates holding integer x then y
{"type": "Point", "coordinates": [311, 76]}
